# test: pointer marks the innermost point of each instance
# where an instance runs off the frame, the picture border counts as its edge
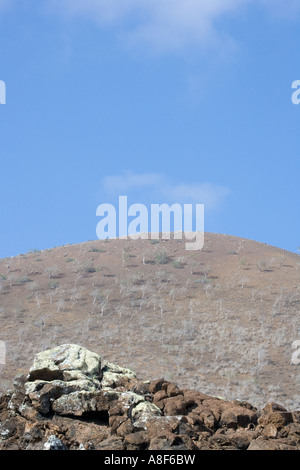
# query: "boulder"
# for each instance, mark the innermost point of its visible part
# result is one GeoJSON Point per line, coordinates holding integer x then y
{"type": "Point", "coordinates": [235, 416]}
{"type": "Point", "coordinates": [275, 415]}
{"type": "Point", "coordinates": [67, 363]}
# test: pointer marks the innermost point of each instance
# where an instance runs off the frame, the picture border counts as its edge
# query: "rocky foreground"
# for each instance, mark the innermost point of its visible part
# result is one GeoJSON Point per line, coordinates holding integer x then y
{"type": "Point", "coordinates": [73, 400]}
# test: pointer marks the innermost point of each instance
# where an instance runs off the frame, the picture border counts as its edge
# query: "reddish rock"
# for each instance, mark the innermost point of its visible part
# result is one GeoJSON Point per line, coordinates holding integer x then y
{"type": "Point", "coordinates": [178, 405]}
{"type": "Point", "coordinates": [157, 385]}
{"type": "Point", "coordinates": [276, 415]}
{"type": "Point", "coordinates": [138, 439]}
{"type": "Point", "coordinates": [173, 390]}
{"type": "Point", "coordinates": [162, 425]}
{"type": "Point", "coordinates": [113, 443]}
{"type": "Point", "coordinates": [159, 396]}
{"type": "Point", "coordinates": [126, 427]}
{"type": "Point", "coordinates": [235, 416]}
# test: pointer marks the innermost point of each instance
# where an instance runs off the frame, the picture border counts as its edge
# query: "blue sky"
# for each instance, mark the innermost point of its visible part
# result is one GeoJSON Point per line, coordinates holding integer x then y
{"type": "Point", "coordinates": [176, 101]}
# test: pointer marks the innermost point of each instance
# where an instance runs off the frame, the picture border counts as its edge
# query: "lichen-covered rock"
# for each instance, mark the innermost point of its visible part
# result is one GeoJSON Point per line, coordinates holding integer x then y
{"type": "Point", "coordinates": [144, 410]}
{"type": "Point", "coordinates": [67, 362]}
{"type": "Point", "coordinates": [75, 404]}
{"type": "Point", "coordinates": [114, 376]}
{"type": "Point", "coordinates": [63, 380]}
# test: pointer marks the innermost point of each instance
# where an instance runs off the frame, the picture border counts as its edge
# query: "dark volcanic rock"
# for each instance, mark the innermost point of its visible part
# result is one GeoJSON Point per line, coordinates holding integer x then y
{"type": "Point", "coordinates": [72, 400]}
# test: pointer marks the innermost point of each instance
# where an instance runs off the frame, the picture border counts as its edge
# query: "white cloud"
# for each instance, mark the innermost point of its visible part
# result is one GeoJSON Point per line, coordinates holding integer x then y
{"type": "Point", "coordinates": [164, 24]}
{"type": "Point", "coordinates": [157, 188]}
{"type": "Point", "coordinates": [167, 24]}
{"type": "Point", "coordinates": [130, 181]}
{"type": "Point", "coordinates": [209, 194]}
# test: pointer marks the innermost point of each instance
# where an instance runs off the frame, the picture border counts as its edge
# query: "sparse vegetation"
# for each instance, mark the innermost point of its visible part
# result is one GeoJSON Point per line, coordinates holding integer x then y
{"type": "Point", "coordinates": [24, 280]}
{"type": "Point", "coordinates": [162, 258]}
{"type": "Point", "coordinates": [178, 263]}
{"type": "Point", "coordinates": [97, 250]}
{"type": "Point", "coordinates": [53, 285]}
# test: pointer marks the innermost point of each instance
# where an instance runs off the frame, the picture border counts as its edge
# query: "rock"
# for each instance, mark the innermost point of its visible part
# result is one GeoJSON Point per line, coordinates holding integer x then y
{"type": "Point", "coordinates": [294, 430]}
{"type": "Point", "coordinates": [241, 439]}
{"type": "Point", "coordinates": [162, 425]}
{"type": "Point", "coordinates": [142, 388]}
{"type": "Point", "coordinates": [67, 362]}
{"type": "Point", "coordinates": [220, 441]}
{"type": "Point", "coordinates": [276, 415]}
{"type": "Point", "coordinates": [137, 439]}
{"type": "Point", "coordinates": [75, 404]}
{"type": "Point", "coordinates": [112, 443]}
{"type": "Point", "coordinates": [235, 416]}
{"type": "Point", "coordinates": [173, 390]}
{"type": "Point", "coordinates": [44, 394]}
{"type": "Point", "coordinates": [72, 400]}
{"type": "Point", "coordinates": [270, 431]}
{"type": "Point", "coordinates": [157, 385]}
{"type": "Point", "coordinates": [270, 444]}
{"type": "Point", "coordinates": [19, 392]}
{"type": "Point", "coordinates": [125, 428]}
{"type": "Point", "coordinates": [88, 446]}
{"type": "Point", "coordinates": [59, 372]}
{"type": "Point", "coordinates": [53, 443]}
{"type": "Point", "coordinates": [168, 442]}
{"type": "Point", "coordinates": [33, 433]}
{"type": "Point", "coordinates": [177, 405]}
{"type": "Point", "coordinates": [199, 422]}
{"type": "Point", "coordinates": [160, 395]}
{"type": "Point", "coordinates": [115, 376]}
{"type": "Point", "coordinates": [145, 409]}
{"type": "Point", "coordinates": [78, 432]}
{"type": "Point", "coordinates": [8, 429]}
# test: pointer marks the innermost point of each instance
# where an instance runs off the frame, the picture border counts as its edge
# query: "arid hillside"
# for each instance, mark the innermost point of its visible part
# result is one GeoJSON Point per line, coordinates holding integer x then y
{"type": "Point", "coordinates": [221, 321]}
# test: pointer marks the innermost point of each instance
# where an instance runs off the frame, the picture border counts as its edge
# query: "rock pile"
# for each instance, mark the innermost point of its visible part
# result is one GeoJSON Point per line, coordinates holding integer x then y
{"type": "Point", "coordinates": [72, 400]}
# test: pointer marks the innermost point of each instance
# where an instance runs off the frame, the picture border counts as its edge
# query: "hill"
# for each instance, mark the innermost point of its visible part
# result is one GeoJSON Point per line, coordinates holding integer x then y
{"type": "Point", "coordinates": [221, 321]}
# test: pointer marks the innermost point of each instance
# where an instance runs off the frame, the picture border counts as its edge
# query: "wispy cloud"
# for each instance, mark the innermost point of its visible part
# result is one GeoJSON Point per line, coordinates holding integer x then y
{"type": "Point", "coordinates": [129, 181]}
{"type": "Point", "coordinates": [164, 24]}
{"type": "Point", "coordinates": [157, 188]}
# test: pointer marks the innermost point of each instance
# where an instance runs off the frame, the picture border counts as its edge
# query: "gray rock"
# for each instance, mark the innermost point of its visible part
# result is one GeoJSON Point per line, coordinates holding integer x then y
{"type": "Point", "coordinates": [145, 410]}
{"type": "Point", "coordinates": [113, 375]}
{"type": "Point", "coordinates": [54, 443]}
{"type": "Point", "coordinates": [75, 404]}
{"type": "Point", "coordinates": [60, 372]}
{"type": "Point", "coordinates": [67, 362]}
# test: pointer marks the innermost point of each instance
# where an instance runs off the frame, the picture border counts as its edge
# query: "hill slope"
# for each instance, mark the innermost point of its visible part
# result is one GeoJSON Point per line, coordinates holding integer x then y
{"type": "Point", "coordinates": [221, 320]}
